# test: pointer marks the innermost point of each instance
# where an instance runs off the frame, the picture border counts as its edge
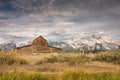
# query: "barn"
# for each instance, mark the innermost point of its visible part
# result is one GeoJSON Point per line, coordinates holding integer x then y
{"type": "Point", "coordinates": [39, 45]}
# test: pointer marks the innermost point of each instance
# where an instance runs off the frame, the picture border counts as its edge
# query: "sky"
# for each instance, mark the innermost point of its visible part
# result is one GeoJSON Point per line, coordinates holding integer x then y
{"type": "Point", "coordinates": [24, 20]}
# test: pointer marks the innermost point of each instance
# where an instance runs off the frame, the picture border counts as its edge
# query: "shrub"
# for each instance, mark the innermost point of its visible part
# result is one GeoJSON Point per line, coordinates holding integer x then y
{"type": "Point", "coordinates": [53, 59]}
{"type": "Point", "coordinates": [76, 59]}
{"type": "Point", "coordinates": [113, 57]}
{"type": "Point", "coordinates": [73, 59]}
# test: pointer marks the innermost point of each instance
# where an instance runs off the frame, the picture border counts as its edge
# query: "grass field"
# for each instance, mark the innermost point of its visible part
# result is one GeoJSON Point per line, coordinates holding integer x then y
{"type": "Point", "coordinates": [60, 66]}
{"type": "Point", "coordinates": [67, 75]}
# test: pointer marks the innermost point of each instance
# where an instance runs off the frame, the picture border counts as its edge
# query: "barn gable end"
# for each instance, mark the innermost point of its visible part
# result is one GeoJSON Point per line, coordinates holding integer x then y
{"type": "Point", "coordinates": [40, 41]}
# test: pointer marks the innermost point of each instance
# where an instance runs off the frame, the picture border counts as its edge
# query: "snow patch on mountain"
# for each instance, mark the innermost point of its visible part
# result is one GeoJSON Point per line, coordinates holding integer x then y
{"type": "Point", "coordinates": [89, 42]}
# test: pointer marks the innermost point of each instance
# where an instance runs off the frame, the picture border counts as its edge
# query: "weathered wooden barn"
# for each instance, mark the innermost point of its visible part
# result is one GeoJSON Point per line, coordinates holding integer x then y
{"type": "Point", "coordinates": [39, 45]}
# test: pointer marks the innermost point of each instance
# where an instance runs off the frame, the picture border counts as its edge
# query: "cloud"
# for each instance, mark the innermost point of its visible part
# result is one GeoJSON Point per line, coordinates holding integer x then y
{"type": "Point", "coordinates": [62, 7]}
{"type": "Point", "coordinates": [58, 18]}
{"type": "Point", "coordinates": [64, 24]}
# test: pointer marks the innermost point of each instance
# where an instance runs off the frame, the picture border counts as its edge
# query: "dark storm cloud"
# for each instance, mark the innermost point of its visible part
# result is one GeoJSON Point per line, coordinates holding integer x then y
{"type": "Point", "coordinates": [72, 8]}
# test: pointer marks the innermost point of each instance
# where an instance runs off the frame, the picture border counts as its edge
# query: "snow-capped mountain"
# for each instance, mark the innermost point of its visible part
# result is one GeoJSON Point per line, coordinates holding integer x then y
{"type": "Point", "coordinates": [88, 42]}
{"type": "Point", "coordinates": [9, 45]}
{"type": "Point", "coordinates": [60, 44]}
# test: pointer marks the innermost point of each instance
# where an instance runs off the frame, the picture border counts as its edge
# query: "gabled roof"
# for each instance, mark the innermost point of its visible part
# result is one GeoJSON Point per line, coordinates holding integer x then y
{"type": "Point", "coordinates": [40, 41]}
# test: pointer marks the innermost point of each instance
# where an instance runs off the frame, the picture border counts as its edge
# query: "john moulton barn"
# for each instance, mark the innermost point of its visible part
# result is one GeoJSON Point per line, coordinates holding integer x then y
{"type": "Point", "coordinates": [39, 45]}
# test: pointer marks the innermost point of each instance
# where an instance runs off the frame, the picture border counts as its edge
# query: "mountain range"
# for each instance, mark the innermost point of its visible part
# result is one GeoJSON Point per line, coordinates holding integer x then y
{"type": "Point", "coordinates": [88, 42]}
{"type": "Point", "coordinates": [9, 45]}
{"type": "Point", "coordinates": [73, 44]}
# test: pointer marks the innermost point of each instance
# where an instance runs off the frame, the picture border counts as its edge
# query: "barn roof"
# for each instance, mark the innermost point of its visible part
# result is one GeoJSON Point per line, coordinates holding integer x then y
{"type": "Point", "coordinates": [40, 41]}
{"type": "Point", "coordinates": [23, 46]}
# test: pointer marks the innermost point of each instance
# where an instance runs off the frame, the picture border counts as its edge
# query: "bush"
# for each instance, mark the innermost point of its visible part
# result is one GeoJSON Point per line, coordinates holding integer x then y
{"type": "Point", "coordinates": [113, 57]}
{"type": "Point", "coordinates": [73, 59]}
{"type": "Point", "coordinates": [78, 59]}
{"type": "Point", "coordinates": [53, 59]}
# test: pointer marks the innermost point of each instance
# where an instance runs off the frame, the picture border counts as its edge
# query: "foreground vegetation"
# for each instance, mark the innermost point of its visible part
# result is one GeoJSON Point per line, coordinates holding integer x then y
{"type": "Point", "coordinates": [67, 75]}
{"type": "Point", "coordinates": [110, 57]}
{"type": "Point", "coordinates": [76, 59]}
{"type": "Point", "coordinates": [9, 58]}
{"type": "Point", "coordinates": [71, 59]}
{"type": "Point", "coordinates": [48, 73]}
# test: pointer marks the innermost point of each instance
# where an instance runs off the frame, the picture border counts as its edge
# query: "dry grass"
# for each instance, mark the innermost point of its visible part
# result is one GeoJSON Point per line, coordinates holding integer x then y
{"type": "Point", "coordinates": [59, 62]}
{"type": "Point", "coordinates": [71, 59]}
{"type": "Point", "coordinates": [61, 66]}
{"type": "Point", "coordinates": [77, 59]}
{"type": "Point", "coordinates": [95, 66]}
{"type": "Point", "coordinates": [9, 58]}
{"type": "Point", "coordinates": [66, 75]}
{"type": "Point", "coordinates": [110, 57]}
